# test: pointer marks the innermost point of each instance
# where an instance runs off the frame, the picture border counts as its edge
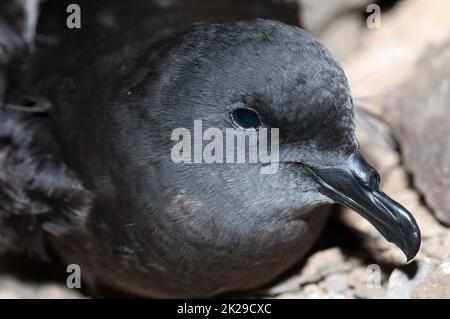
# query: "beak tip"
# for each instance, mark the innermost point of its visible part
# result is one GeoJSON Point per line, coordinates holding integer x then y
{"type": "Point", "coordinates": [412, 246]}
{"type": "Point", "coordinates": [410, 257]}
{"type": "Point", "coordinates": [350, 184]}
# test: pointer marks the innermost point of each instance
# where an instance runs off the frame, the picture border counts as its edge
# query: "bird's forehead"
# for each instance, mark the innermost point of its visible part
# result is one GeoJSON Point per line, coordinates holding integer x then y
{"type": "Point", "coordinates": [288, 77]}
{"type": "Point", "coordinates": [310, 84]}
{"type": "Point", "coordinates": [285, 73]}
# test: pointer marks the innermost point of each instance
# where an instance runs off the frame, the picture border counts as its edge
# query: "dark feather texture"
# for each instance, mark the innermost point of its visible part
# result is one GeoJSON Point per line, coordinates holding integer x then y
{"type": "Point", "coordinates": [38, 193]}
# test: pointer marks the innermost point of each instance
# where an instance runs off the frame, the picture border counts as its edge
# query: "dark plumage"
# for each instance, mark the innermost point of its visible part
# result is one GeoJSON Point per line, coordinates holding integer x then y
{"type": "Point", "coordinates": [162, 229]}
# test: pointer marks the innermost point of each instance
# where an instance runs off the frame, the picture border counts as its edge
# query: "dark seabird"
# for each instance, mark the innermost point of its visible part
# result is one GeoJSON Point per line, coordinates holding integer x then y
{"type": "Point", "coordinates": [99, 186]}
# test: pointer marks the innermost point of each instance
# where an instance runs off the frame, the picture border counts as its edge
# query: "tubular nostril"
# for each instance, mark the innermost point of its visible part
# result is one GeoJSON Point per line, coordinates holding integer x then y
{"type": "Point", "coordinates": [374, 179]}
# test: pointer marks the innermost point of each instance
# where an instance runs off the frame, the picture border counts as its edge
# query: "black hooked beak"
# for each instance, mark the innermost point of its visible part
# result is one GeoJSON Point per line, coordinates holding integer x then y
{"type": "Point", "coordinates": [356, 184]}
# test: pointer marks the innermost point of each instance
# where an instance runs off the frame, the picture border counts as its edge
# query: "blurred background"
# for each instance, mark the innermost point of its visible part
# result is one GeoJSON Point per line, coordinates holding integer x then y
{"type": "Point", "coordinates": [396, 55]}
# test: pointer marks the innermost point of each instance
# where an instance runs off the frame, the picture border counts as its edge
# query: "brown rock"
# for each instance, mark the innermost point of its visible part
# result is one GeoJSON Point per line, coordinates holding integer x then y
{"type": "Point", "coordinates": [404, 280]}
{"type": "Point", "coordinates": [425, 279]}
{"type": "Point", "coordinates": [438, 246]}
{"type": "Point", "coordinates": [341, 26]}
{"type": "Point", "coordinates": [436, 286]}
{"type": "Point", "coordinates": [324, 263]}
{"type": "Point", "coordinates": [318, 15]}
{"type": "Point", "coordinates": [419, 112]}
{"type": "Point", "coordinates": [317, 267]}
{"type": "Point", "coordinates": [388, 56]}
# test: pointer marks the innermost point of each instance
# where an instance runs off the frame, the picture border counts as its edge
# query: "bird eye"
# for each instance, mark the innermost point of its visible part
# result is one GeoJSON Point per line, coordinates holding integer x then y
{"type": "Point", "coordinates": [246, 118]}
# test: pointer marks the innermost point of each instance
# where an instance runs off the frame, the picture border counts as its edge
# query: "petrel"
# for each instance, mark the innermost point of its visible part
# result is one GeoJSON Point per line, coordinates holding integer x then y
{"type": "Point", "coordinates": [93, 181]}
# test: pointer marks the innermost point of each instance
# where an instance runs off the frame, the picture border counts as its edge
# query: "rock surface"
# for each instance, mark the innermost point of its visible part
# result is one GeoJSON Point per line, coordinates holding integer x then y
{"type": "Point", "coordinates": [388, 56]}
{"type": "Point", "coordinates": [424, 280]}
{"type": "Point", "coordinates": [419, 113]}
{"type": "Point", "coordinates": [12, 288]}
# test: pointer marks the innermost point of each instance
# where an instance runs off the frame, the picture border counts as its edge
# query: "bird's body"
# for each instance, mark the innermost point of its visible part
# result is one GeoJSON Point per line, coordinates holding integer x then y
{"type": "Point", "coordinates": [119, 87]}
{"type": "Point", "coordinates": [243, 251]}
